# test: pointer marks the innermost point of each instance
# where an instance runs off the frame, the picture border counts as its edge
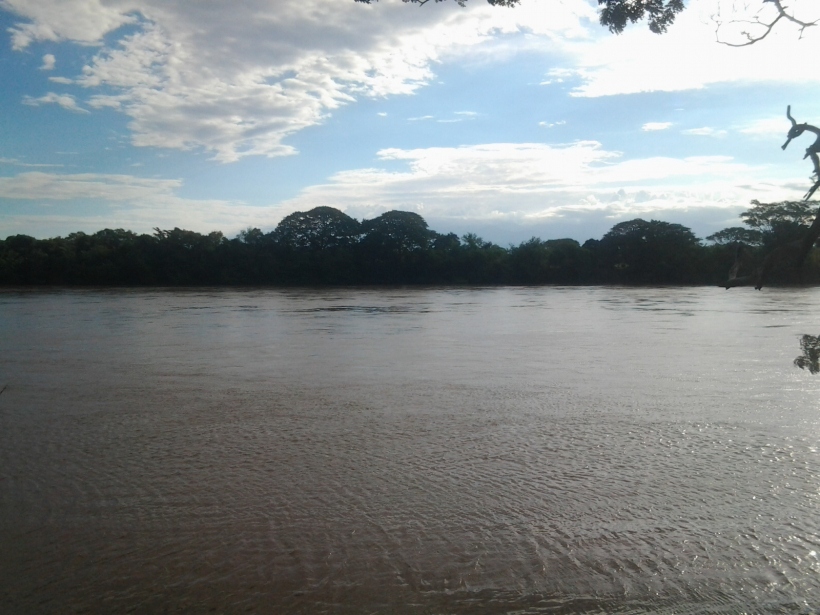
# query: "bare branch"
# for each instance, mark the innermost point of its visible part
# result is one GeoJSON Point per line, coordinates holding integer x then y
{"type": "Point", "coordinates": [752, 37]}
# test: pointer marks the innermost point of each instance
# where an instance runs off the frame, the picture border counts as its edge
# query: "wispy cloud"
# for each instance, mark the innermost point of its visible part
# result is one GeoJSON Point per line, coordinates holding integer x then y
{"type": "Point", "coordinates": [653, 126]}
{"type": "Point", "coordinates": [687, 57]}
{"type": "Point", "coordinates": [124, 201]}
{"type": "Point", "coordinates": [66, 101]}
{"type": "Point", "coordinates": [706, 131]}
{"type": "Point", "coordinates": [17, 163]}
{"type": "Point", "coordinates": [768, 127]}
{"type": "Point", "coordinates": [238, 79]}
{"type": "Point", "coordinates": [48, 62]}
{"type": "Point", "coordinates": [528, 181]}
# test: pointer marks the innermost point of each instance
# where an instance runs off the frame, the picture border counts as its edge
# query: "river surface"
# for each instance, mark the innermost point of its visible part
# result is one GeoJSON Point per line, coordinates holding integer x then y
{"type": "Point", "coordinates": [411, 451]}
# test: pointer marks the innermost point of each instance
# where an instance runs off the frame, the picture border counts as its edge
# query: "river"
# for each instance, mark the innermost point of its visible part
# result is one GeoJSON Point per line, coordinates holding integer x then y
{"type": "Point", "coordinates": [409, 451]}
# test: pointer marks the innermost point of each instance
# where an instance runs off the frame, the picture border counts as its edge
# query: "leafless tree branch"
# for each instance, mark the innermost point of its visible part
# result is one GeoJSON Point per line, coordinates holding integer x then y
{"type": "Point", "coordinates": [752, 37]}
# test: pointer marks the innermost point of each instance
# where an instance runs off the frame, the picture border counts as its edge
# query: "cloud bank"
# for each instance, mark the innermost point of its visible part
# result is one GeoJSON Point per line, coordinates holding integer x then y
{"type": "Point", "coordinates": [236, 79]}
{"type": "Point", "coordinates": [529, 183]}
{"type": "Point", "coordinates": [118, 201]}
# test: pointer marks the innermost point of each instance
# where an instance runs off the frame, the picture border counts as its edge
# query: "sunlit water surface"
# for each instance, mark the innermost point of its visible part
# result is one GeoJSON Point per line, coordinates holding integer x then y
{"type": "Point", "coordinates": [419, 451]}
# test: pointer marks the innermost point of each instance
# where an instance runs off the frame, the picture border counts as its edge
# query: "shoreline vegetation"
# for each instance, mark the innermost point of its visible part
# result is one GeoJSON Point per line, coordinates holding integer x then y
{"type": "Point", "coordinates": [324, 246]}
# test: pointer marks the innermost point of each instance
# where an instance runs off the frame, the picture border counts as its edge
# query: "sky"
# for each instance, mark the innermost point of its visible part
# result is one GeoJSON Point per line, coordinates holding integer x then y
{"type": "Point", "coordinates": [505, 122]}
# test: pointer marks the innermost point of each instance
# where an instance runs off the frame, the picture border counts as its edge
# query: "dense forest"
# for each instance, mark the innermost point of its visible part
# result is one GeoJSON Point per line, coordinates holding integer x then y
{"type": "Point", "coordinates": [326, 246]}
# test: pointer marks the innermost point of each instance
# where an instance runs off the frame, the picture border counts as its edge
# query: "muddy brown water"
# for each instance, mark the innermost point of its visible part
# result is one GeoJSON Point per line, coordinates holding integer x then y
{"type": "Point", "coordinates": [418, 451]}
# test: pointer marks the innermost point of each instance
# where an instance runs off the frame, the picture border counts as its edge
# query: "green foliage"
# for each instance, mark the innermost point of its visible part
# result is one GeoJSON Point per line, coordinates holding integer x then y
{"type": "Point", "coordinates": [737, 234]}
{"type": "Point", "coordinates": [766, 216]}
{"type": "Point", "coordinates": [773, 227]}
{"type": "Point", "coordinates": [325, 246]}
{"type": "Point", "coordinates": [556, 261]}
{"type": "Point", "coordinates": [780, 223]}
{"type": "Point", "coordinates": [654, 252]}
{"type": "Point", "coordinates": [615, 14]}
{"type": "Point", "coordinates": [398, 232]}
{"type": "Point", "coordinates": [321, 228]}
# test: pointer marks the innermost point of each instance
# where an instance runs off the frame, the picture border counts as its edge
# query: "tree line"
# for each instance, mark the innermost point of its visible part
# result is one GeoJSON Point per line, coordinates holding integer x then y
{"type": "Point", "coordinates": [325, 246]}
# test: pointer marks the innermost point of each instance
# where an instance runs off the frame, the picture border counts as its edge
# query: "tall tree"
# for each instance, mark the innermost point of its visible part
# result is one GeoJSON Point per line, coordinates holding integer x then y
{"type": "Point", "coordinates": [318, 229]}
{"type": "Point", "coordinates": [654, 252]}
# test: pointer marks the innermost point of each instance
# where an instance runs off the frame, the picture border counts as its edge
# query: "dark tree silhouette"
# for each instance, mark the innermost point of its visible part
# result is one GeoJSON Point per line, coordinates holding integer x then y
{"type": "Point", "coordinates": [792, 253]}
{"type": "Point", "coordinates": [737, 235]}
{"type": "Point", "coordinates": [788, 244]}
{"type": "Point", "coordinates": [641, 252]}
{"type": "Point", "coordinates": [398, 232]}
{"type": "Point", "coordinates": [811, 151]}
{"type": "Point", "coordinates": [318, 229]}
{"type": "Point", "coordinates": [615, 14]}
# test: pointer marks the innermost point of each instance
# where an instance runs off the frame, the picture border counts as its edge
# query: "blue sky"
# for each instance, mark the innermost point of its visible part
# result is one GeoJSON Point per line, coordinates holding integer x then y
{"type": "Point", "coordinates": [510, 123]}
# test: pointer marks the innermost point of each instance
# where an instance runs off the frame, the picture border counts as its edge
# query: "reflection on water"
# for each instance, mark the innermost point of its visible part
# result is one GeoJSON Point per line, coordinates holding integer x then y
{"type": "Point", "coordinates": [810, 357]}
{"type": "Point", "coordinates": [533, 450]}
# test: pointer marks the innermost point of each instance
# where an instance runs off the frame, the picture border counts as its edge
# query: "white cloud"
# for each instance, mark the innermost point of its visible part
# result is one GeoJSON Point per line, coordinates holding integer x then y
{"type": "Point", "coordinates": [238, 78]}
{"type": "Point", "coordinates": [124, 201]}
{"type": "Point", "coordinates": [61, 80]}
{"type": "Point", "coordinates": [687, 56]}
{"type": "Point", "coordinates": [652, 126]}
{"type": "Point", "coordinates": [66, 101]}
{"type": "Point", "coordinates": [82, 21]}
{"type": "Point", "coordinates": [112, 188]}
{"type": "Point", "coordinates": [48, 62]}
{"type": "Point", "coordinates": [768, 127]}
{"type": "Point", "coordinates": [18, 163]}
{"type": "Point", "coordinates": [706, 131]}
{"type": "Point", "coordinates": [532, 181]}
{"type": "Point", "coordinates": [552, 124]}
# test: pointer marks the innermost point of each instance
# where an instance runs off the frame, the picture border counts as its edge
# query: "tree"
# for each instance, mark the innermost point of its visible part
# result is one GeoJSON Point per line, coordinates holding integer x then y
{"type": "Point", "coordinates": [735, 235]}
{"type": "Point", "coordinates": [787, 232]}
{"type": "Point", "coordinates": [768, 217]}
{"type": "Point", "coordinates": [760, 24]}
{"type": "Point", "coordinates": [398, 232]}
{"type": "Point", "coordinates": [784, 225]}
{"type": "Point", "coordinates": [251, 236]}
{"type": "Point", "coordinates": [616, 13]}
{"type": "Point", "coordinates": [395, 248]}
{"type": "Point", "coordinates": [654, 252]}
{"type": "Point", "coordinates": [320, 228]}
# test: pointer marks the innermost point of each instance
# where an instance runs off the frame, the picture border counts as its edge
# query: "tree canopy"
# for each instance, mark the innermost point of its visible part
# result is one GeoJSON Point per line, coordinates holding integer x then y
{"type": "Point", "coordinates": [326, 246]}
{"type": "Point", "coordinates": [318, 229]}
